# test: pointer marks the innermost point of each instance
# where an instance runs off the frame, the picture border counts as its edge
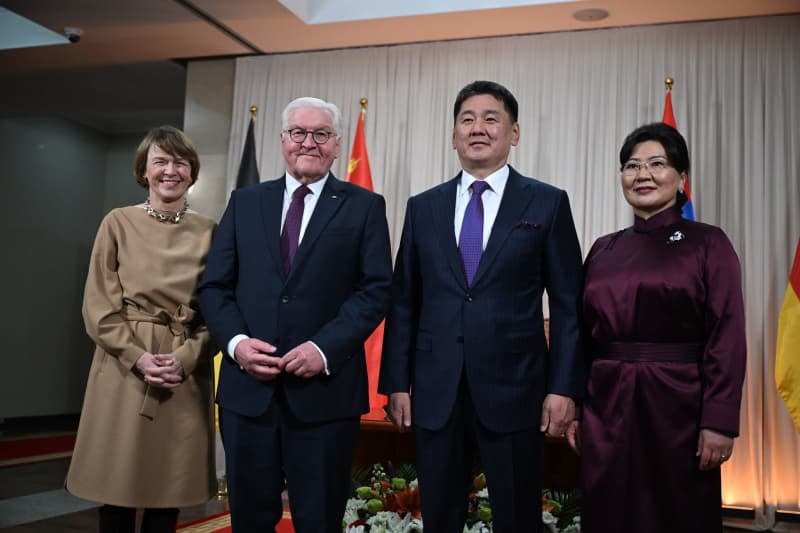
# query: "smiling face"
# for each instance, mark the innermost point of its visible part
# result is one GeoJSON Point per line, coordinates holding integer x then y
{"type": "Point", "coordinates": [168, 178]}
{"type": "Point", "coordinates": [651, 189]}
{"type": "Point", "coordinates": [309, 161]}
{"type": "Point", "coordinates": [483, 135]}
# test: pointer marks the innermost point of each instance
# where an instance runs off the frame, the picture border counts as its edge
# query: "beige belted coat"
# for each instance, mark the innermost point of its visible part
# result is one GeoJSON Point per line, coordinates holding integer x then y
{"type": "Point", "coordinates": [141, 446]}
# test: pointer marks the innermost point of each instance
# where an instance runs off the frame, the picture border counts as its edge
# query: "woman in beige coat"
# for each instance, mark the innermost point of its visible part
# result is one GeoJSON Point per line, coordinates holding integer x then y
{"type": "Point", "coordinates": [145, 438]}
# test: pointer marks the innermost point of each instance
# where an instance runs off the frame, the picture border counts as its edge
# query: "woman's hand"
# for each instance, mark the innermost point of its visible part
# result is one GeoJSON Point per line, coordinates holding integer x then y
{"type": "Point", "coordinates": [713, 449]}
{"type": "Point", "coordinates": [160, 370]}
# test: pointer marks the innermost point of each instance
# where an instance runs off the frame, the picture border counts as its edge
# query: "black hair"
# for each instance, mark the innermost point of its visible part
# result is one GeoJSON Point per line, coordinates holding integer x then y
{"type": "Point", "coordinates": [673, 142]}
{"type": "Point", "coordinates": [480, 87]}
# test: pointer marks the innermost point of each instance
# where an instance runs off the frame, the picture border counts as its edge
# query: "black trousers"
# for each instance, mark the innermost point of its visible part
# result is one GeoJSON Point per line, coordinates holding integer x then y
{"type": "Point", "coordinates": [115, 519]}
{"type": "Point", "coordinates": [510, 461]}
{"type": "Point", "coordinates": [264, 454]}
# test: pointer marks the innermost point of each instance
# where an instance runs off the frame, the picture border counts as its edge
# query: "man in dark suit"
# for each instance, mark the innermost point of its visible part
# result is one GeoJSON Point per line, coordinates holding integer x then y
{"type": "Point", "coordinates": [297, 278]}
{"type": "Point", "coordinates": [465, 358]}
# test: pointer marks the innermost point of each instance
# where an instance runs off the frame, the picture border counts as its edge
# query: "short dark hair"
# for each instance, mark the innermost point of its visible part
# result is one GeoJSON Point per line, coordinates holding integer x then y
{"type": "Point", "coordinates": [171, 140]}
{"type": "Point", "coordinates": [673, 142]}
{"type": "Point", "coordinates": [479, 87]}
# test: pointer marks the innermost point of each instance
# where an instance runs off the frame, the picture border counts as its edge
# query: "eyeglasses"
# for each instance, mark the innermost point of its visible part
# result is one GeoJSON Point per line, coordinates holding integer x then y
{"type": "Point", "coordinates": [656, 165]}
{"type": "Point", "coordinates": [299, 135]}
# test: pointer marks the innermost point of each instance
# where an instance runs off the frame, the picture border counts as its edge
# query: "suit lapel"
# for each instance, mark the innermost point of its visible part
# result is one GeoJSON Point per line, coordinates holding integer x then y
{"type": "Point", "coordinates": [331, 199]}
{"type": "Point", "coordinates": [444, 212]}
{"type": "Point", "coordinates": [516, 197]}
{"type": "Point", "coordinates": [271, 211]}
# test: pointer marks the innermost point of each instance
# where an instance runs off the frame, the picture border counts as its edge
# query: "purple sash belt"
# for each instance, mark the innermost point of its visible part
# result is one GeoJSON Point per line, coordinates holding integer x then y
{"type": "Point", "coordinates": [661, 352]}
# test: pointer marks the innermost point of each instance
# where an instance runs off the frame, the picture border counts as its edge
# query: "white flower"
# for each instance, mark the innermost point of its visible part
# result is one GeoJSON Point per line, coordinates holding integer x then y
{"type": "Point", "coordinates": [387, 522]}
{"type": "Point", "coordinates": [483, 493]}
{"type": "Point", "coordinates": [351, 511]}
{"type": "Point", "coordinates": [355, 529]}
{"type": "Point", "coordinates": [413, 526]}
{"type": "Point", "coordinates": [574, 527]}
{"type": "Point", "coordinates": [549, 522]}
{"type": "Point", "coordinates": [477, 527]}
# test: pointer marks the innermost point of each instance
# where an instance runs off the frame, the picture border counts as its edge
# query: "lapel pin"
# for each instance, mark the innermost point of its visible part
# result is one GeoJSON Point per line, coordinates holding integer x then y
{"type": "Point", "coordinates": [675, 237]}
{"type": "Point", "coordinates": [334, 196]}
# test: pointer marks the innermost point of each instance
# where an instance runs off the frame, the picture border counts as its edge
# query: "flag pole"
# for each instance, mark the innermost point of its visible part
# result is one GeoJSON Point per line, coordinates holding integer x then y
{"type": "Point", "coordinates": [253, 111]}
{"type": "Point", "coordinates": [668, 83]}
{"type": "Point", "coordinates": [363, 102]}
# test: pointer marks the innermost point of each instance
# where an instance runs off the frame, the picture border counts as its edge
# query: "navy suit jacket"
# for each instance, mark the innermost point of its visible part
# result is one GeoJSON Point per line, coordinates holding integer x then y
{"type": "Point", "coordinates": [335, 294]}
{"type": "Point", "coordinates": [439, 329]}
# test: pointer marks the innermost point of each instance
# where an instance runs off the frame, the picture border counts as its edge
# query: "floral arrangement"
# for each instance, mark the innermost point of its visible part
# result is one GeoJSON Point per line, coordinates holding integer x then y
{"type": "Point", "coordinates": [386, 500]}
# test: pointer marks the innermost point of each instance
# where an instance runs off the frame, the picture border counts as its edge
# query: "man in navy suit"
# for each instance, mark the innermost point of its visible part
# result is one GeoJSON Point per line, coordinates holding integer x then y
{"type": "Point", "coordinates": [297, 278]}
{"type": "Point", "coordinates": [465, 358]}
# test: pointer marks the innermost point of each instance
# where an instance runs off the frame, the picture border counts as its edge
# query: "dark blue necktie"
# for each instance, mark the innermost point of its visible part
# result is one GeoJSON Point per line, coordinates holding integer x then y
{"type": "Point", "coordinates": [470, 242]}
{"type": "Point", "coordinates": [291, 226]}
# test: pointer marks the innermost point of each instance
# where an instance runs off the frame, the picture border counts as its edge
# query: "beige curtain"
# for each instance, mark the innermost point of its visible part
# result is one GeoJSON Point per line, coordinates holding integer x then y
{"type": "Point", "coordinates": [736, 98]}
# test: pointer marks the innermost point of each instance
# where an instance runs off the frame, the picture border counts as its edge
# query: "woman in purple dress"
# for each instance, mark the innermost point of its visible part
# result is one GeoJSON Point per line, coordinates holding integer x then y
{"type": "Point", "coordinates": [664, 324]}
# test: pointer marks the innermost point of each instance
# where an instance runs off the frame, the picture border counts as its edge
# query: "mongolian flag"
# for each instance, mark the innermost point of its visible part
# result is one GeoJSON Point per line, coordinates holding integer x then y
{"type": "Point", "coordinates": [358, 172]}
{"type": "Point", "coordinates": [787, 350]}
{"type": "Point", "coordinates": [669, 119]}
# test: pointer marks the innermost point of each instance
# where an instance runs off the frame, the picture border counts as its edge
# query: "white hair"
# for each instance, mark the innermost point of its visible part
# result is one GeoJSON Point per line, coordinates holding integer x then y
{"type": "Point", "coordinates": [310, 101]}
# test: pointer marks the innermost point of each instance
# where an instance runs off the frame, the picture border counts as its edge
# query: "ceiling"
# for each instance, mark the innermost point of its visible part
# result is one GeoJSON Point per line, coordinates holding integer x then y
{"type": "Point", "coordinates": [127, 72]}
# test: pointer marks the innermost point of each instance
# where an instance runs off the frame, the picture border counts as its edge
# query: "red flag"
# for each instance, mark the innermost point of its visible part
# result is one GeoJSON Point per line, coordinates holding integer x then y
{"type": "Point", "coordinates": [358, 167]}
{"type": "Point", "coordinates": [669, 119]}
{"type": "Point", "coordinates": [669, 116]}
{"type": "Point", "coordinates": [358, 172]}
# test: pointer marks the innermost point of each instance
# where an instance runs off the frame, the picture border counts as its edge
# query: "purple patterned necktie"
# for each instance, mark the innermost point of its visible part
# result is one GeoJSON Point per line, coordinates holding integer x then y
{"type": "Point", "coordinates": [291, 226]}
{"type": "Point", "coordinates": [470, 242]}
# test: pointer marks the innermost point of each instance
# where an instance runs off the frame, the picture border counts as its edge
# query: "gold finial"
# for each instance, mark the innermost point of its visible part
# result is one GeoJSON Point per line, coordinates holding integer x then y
{"type": "Point", "coordinates": [668, 83]}
{"type": "Point", "coordinates": [363, 103]}
{"type": "Point", "coordinates": [253, 110]}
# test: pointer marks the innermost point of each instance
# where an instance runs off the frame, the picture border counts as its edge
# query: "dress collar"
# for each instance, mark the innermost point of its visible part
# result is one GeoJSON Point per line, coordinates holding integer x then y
{"type": "Point", "coordinates": [659, 220]}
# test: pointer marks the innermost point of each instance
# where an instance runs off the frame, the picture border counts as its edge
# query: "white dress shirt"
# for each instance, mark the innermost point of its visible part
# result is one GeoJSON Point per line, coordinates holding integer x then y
{"type": "Point", "coordinates": [308, 206]}
{"type": "Point", "coordinates": [491, 200]}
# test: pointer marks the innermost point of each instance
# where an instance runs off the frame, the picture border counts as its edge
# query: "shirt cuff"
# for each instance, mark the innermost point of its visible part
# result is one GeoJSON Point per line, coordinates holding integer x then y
{"type": "Point", "coordinates": [324, 359]}
{"type": "Point", "coordinates": [233, 343]}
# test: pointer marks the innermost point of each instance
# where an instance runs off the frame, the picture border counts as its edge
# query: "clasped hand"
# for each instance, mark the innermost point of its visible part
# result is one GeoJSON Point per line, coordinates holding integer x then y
{"type": "Point", "coordinates": [162, 370]}
{"type": "Point", "coordinates": [258, 359]}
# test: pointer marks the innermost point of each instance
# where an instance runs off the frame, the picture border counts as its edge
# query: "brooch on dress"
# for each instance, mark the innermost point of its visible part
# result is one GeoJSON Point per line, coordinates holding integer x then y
{"type": "Point", "coordinates": [675, 237]}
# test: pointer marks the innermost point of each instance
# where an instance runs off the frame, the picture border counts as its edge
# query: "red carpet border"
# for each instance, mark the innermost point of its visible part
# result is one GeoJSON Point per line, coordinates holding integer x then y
{"type": "Point", "coordinates": [221, 523]}
{"type": "Point", "coordinates": [25, 450]}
